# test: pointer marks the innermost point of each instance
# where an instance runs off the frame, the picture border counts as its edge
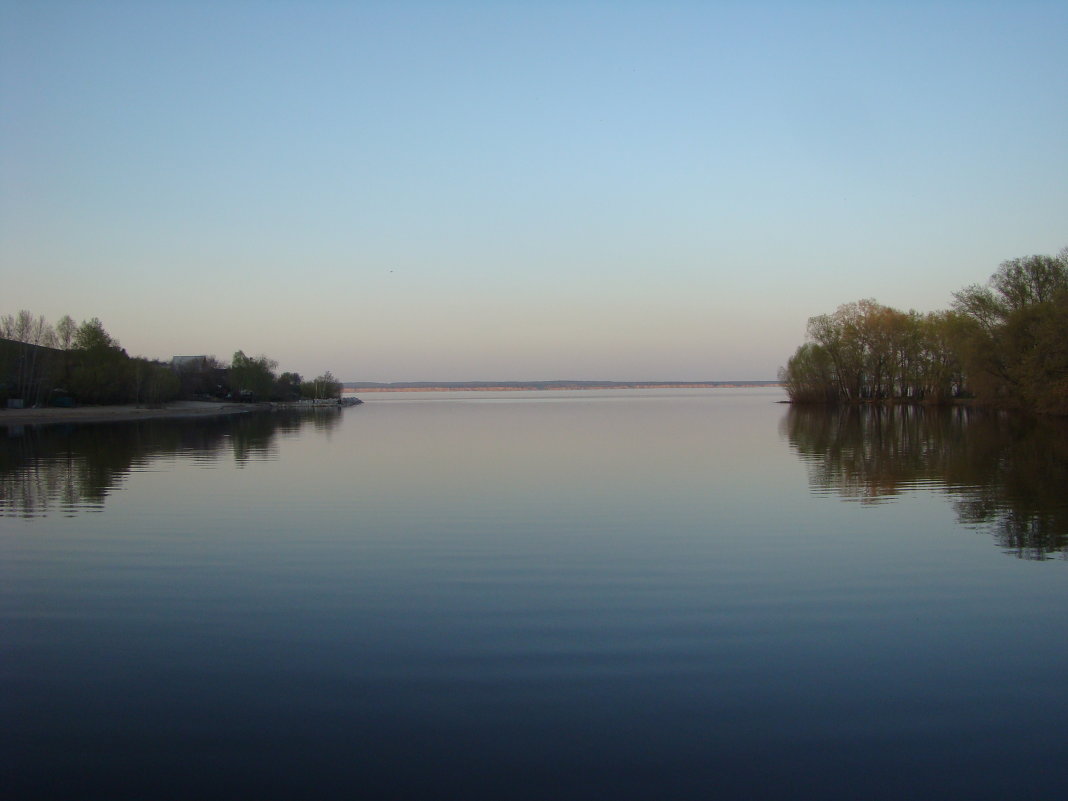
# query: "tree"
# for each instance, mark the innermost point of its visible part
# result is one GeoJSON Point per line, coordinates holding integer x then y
{"type": "Point", "coordinates": [92, 336]}
{"type": "Point", "coordinates": [32, 366]}
{"type": "Point", "coordinates": [1017, 283]}
{"type": "Point", "coordinates": [1004, 343]}
{"type": "Point", "coordinates": [17, 326]}
{"type": "Point", "coordinates": [809, 375]}
{"type": "Point", "coordinates": [289, 386]}
{"type": "Point", "coordinates": [942, 338]}
{"type": "Point", "coordinates": [868, 351]}
{"type": "Point", "coordinates": [1012, 346]}
{"type": "Point", "coordinates": [153, 383]}
{"type": "Point", "coordinates": [1034, 346]}
{"type": "Point", "coordinates": [65, 330]}
{"type": "Point", "coordinates": [252, 376]}
{"type": "Point", "coordinates": [322, 387]}
{"type": "Point", "coordinates": [101, 371]}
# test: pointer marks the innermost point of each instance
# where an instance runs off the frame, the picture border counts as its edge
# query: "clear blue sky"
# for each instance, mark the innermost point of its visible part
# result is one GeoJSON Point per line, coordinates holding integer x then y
{"type": "Point", "coordinates": [465, 191]}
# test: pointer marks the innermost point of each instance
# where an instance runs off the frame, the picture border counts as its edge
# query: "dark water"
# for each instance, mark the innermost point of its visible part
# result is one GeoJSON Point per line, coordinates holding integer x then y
{"type": "Point", "coordinates": [595, 595]}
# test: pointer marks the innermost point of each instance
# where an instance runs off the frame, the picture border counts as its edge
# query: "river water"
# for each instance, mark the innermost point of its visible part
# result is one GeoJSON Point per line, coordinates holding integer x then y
{"type": "Point", "coordinates": [599, 594]}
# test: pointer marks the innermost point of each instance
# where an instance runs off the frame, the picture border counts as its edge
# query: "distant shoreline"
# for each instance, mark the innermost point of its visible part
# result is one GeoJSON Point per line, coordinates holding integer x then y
{"type": "Point", "coordinates": [185, 409]}
{"type": "Point", "coordinates": [549, 386]}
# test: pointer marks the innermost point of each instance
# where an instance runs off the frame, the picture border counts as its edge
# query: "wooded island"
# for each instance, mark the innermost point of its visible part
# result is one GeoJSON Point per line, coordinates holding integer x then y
{"type": "Point", "coordinates": [1004, 344]}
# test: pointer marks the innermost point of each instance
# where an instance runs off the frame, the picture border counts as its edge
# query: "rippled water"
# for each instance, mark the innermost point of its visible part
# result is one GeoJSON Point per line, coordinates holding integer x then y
{"type": "Point", "coordinates": [567, 595]}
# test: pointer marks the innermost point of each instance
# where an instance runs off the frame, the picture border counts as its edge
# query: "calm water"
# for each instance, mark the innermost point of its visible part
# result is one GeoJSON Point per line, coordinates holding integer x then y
{"type": "Point", "coordinates": [674, 594]}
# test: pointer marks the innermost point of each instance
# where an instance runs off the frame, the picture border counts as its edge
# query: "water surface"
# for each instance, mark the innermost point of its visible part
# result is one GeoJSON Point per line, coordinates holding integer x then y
{"type": "Point", "coordinates": [621, 594]}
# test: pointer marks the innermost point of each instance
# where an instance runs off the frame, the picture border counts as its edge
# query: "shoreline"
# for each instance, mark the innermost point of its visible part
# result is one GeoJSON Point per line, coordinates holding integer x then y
{"type": "Point", "coordinates": [123, 413]}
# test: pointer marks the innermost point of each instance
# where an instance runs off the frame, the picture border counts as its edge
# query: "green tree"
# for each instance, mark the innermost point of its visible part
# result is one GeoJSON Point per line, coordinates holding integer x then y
{"type": "Point", "coordinates": [809, 375]}
{"type": "Point", "coordinates": [153, 383]}
{"type": "Point", "coordinates": [252, 376]}
{"type": "Point", "coordinates": [940, 374]}
{"type": "Point", "coordinates": [866, 351]}
{"type": "Point", "coordinates": [1034, 346]}
{"type": "Point", "coordinates": [288, 387]}
{"type": "Point", "coordinates": [1005, 343]}
{"type": "Point", "coordinates": [324, 386]}
{"type": "Point", "coordinates": [92, 336]}
{"type": "Point", "coordinates": [1013, 345]}
{"type": "Point", "coordinates": [101, 377]}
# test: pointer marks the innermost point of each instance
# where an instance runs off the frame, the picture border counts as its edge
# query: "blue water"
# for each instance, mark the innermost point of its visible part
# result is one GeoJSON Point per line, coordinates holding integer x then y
{"type": "Point", "coordinates": [527, 595]}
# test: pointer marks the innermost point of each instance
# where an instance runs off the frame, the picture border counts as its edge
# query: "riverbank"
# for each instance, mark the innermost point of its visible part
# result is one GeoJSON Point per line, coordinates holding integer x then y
{"type": "Point", "coordinates": [124, 413]}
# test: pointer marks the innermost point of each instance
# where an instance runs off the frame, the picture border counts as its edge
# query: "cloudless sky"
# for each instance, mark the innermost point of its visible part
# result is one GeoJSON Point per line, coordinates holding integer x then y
{"type": "Point", "coordinates": [519, 190]}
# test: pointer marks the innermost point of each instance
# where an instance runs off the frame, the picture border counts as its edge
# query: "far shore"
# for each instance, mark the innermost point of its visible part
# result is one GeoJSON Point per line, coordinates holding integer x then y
{"type": "Point", "coordinates": [125, 413]}
{"type": "Point", "coordinates": [553, 386]}
{"type": "Point", "coordinates": [181, 409]}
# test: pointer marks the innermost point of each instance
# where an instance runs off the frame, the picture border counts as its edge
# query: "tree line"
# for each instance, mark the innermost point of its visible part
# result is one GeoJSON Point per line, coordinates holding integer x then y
{"type": "Point", "coordinates": [68, 363]}
{"type": "Point", "coordinates": [1004, 343]}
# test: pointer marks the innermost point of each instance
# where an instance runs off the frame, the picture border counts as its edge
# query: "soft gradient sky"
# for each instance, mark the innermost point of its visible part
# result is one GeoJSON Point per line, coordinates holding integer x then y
{"type": "Point", "coordinates": [519, 190]}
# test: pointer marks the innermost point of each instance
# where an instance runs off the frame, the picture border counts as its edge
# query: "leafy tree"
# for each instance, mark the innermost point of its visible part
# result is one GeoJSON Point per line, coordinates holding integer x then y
{"type": "Point", "coordinates": [1006, 342]}
{"type": "Point", "coordinates": [288, 387]}
{"type": "Point", "coordinates": [941, 373]}
{"type": "Point", "coordinates": [1034, 346]}
{"type": "Point", "coordinates": [252, 376]}
{"type": "Point", "coordinates": [101, 375]}
{"type": "Point", "coordinates": [101, 371]}
{"type": "Point", "coordinates": [153, 383]}
{"type": "Point", "coordinates": [809, 375]}
{"type": "Point", "coordinates": [92, 336]}
{"type": "Point", "coordinates": [866, 351]}
{"type": "Point", "coordinates": [1012, 349]}
{"type": "Point", "coordinates": [322, 387]}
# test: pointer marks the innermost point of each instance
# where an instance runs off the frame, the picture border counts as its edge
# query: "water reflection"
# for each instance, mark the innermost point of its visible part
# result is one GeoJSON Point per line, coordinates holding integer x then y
{"type": "Point", "coordinates": [72, 468]}
{"type": "Point", "coordinates": [1005, 473]}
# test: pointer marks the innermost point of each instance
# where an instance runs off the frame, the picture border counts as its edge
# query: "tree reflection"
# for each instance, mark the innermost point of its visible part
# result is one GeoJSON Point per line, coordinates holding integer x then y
{"type": "Point", "coordinates": [1004, 473]}
{"type": "Point", "coordinates": [73, 468]}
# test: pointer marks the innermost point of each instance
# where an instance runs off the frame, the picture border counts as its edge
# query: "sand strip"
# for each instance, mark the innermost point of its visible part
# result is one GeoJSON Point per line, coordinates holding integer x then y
{"type": "Point", "coordinates": [101, 414]}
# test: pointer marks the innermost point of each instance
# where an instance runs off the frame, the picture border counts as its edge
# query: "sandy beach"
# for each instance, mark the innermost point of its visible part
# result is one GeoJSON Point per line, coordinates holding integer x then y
{"type": "Point", "coordinates": [100, 414]}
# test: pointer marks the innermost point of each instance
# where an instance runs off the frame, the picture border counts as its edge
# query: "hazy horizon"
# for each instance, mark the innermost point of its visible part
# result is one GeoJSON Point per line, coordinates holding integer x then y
{"type": "Point", "coordinates": [462, 191]}
{"type": "Point", "coordinates": [509, 381]}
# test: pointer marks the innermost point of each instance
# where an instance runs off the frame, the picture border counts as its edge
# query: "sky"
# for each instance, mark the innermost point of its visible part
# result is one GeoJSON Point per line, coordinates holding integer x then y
{"type": "Point", "coordinates": [460, 191]}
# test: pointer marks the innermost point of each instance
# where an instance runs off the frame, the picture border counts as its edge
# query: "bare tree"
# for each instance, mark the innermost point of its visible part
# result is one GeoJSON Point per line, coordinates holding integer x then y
{"type": "Point", "coordinates": [65, 330]}
{"type": "Point", "coordinates": [37, 333]}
